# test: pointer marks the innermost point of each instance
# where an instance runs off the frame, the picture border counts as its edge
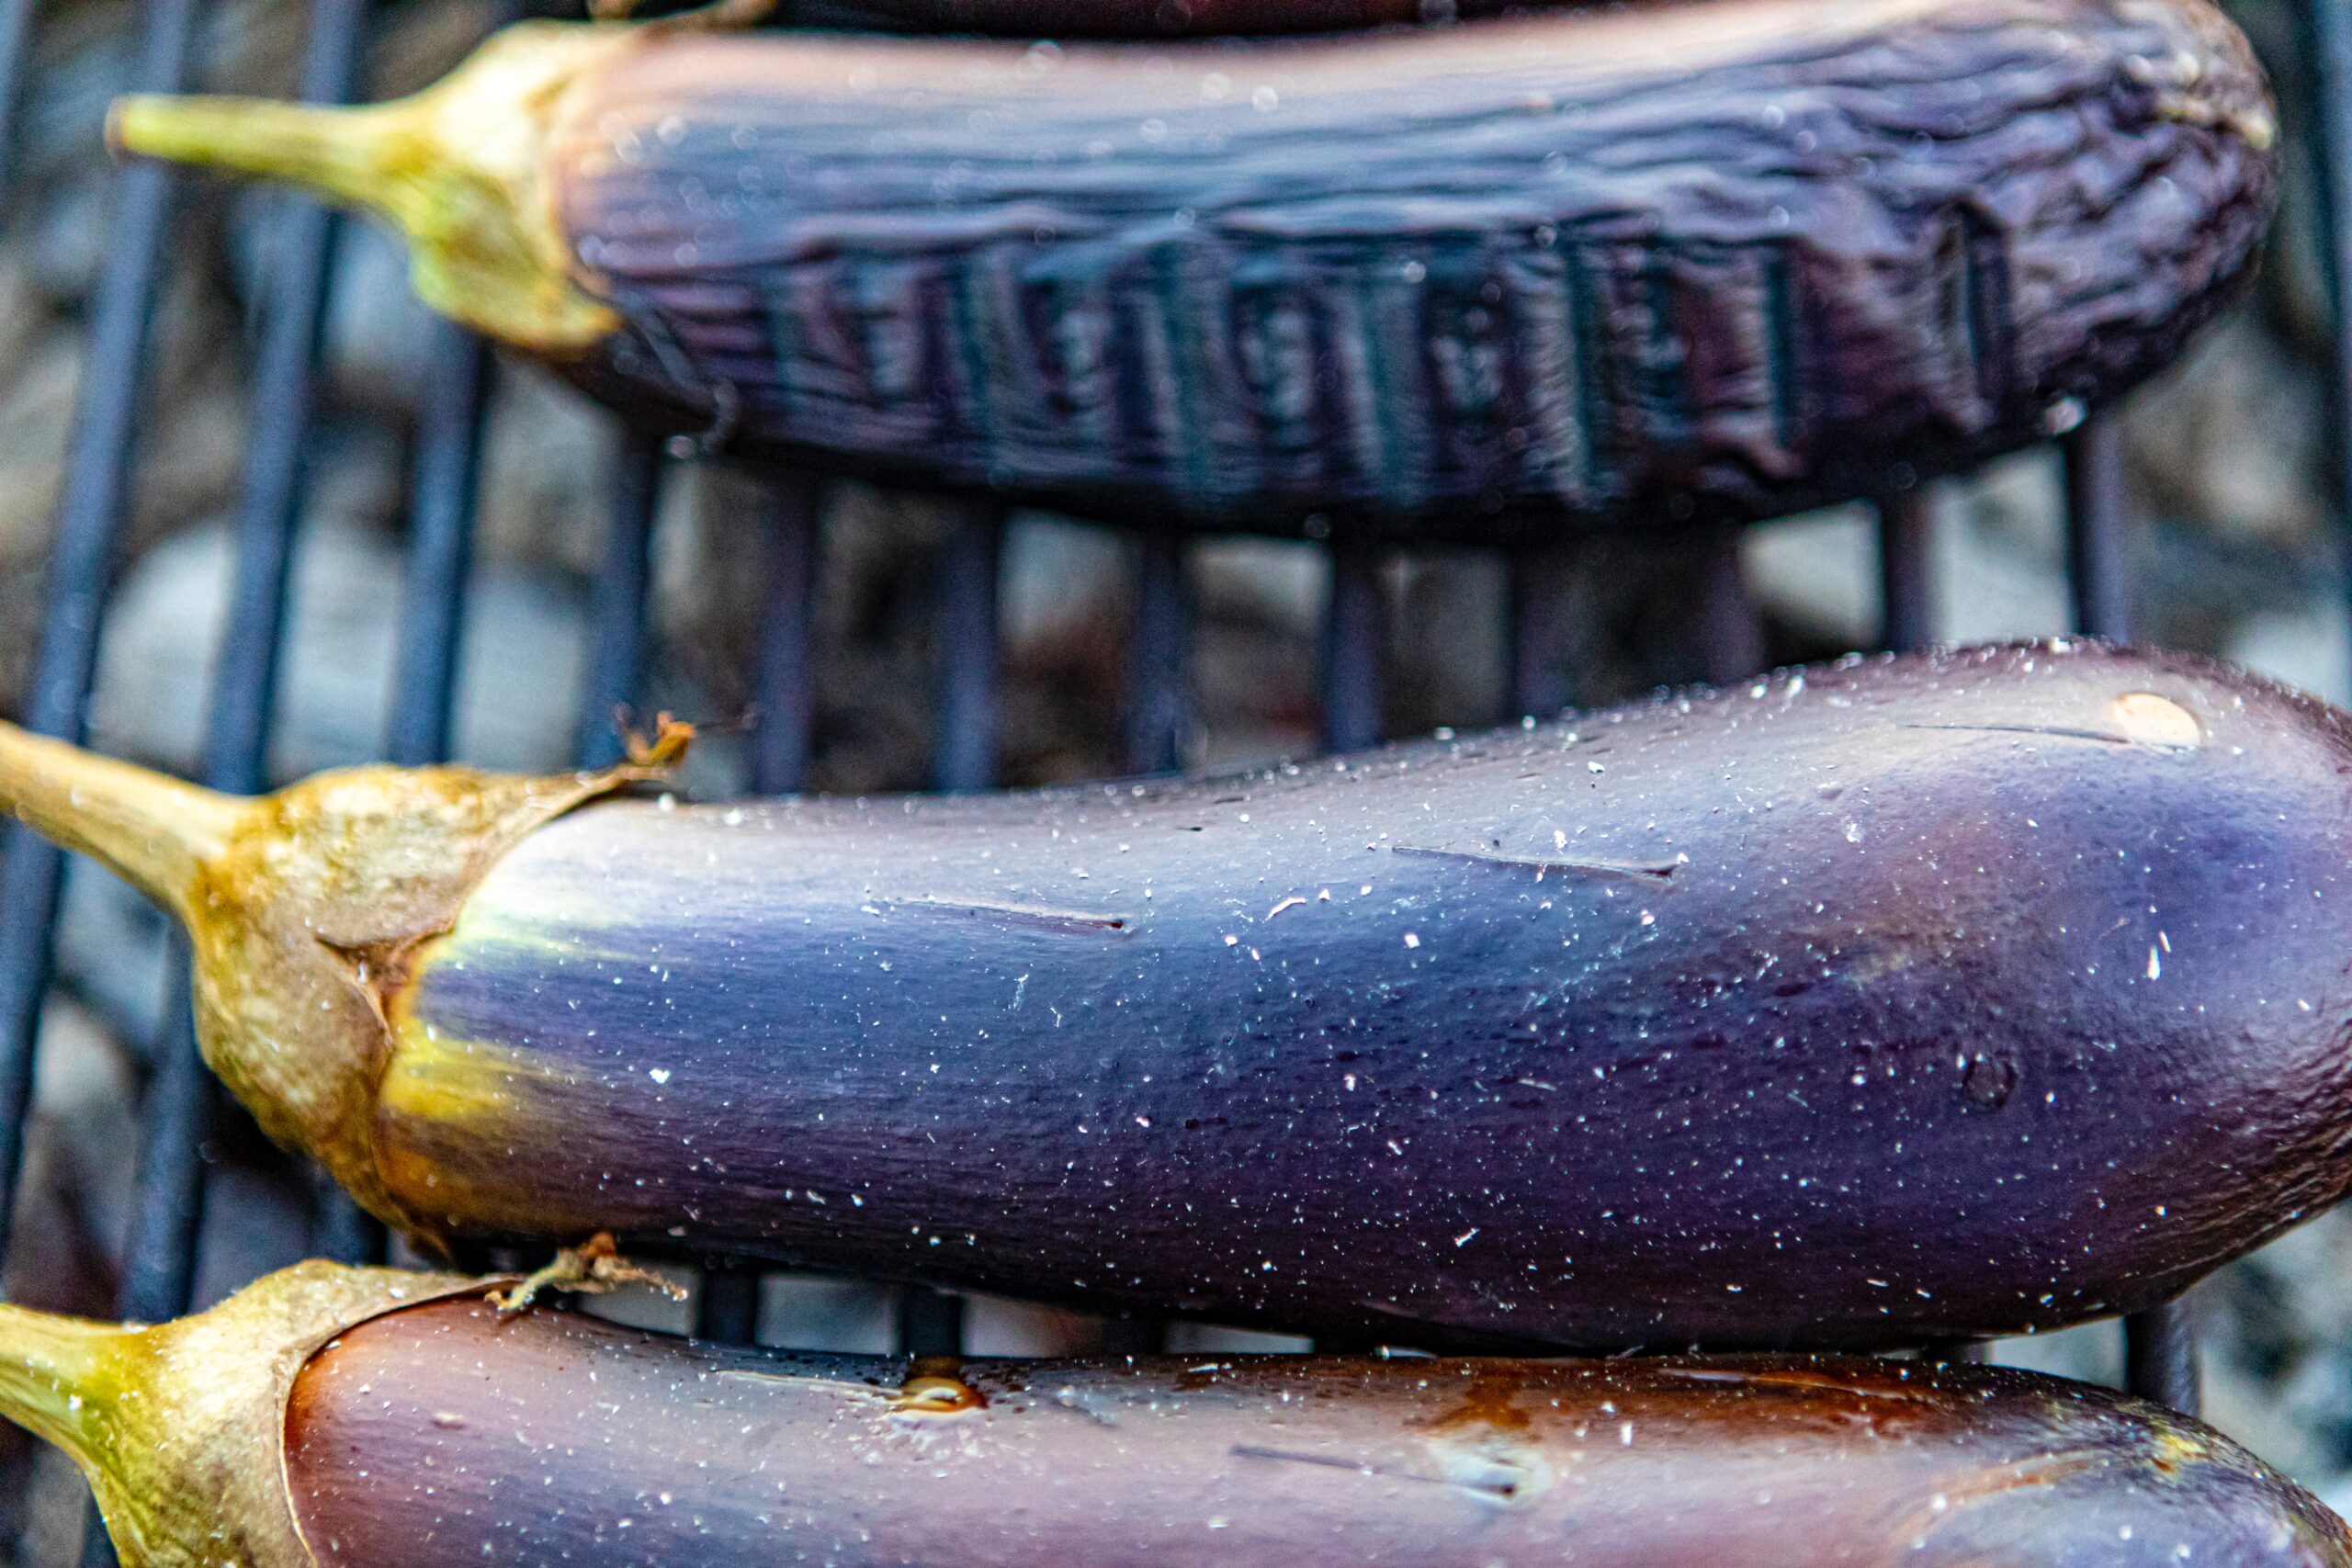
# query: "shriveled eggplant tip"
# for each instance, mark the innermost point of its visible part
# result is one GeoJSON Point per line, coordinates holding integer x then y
{"type": "Point", "coordinates": [117, 143]}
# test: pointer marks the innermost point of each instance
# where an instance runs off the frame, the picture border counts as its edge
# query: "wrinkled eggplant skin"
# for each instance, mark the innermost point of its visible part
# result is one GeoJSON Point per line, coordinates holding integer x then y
{"type": "Point", "coordinates": [1892, 1000]}
{"type": "Point", "coordinates": [1699, 263]}
{"type": "Point", "coordinates": [441, 1437]}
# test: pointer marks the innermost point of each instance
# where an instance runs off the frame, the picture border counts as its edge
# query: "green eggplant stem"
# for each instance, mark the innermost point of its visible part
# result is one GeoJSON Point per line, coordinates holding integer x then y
{"type": "Point", "coordinates": [180, 1426]}
{"type": "Point", "coordinates": [57, 1378]}
{"type": "Point", "coordinates": [155, 832]}
{"type": "Point", "coordinates": [459, 169]}
{"type": "Point", "coordinates": [336, 153]}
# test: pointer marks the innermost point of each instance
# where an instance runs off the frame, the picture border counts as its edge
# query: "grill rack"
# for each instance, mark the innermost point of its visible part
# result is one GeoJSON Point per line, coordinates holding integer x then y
{"type": "Point", "coordinates": [180, 1098]}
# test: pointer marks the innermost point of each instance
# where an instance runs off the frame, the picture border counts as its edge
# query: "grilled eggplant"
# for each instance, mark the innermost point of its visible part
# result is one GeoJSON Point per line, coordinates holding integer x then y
{"type": "Point", "coordinates": [1134, 18]}
{"type": "Point", "coordinates": [328, 1415]}
{"type": "Point", "coordinates": [1702, 262]}
{"type": "Point", "coordinates": [1872, 1003]}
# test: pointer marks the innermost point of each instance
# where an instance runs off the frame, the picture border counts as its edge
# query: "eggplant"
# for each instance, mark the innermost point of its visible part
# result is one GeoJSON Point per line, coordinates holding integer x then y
{"type": "Point", "coordinates": [1869, 1004]}
{"type": "Point", "coordinates": [329, 1415]}
{"type": "Point", "coordinates": [1137, 19]}
{"type": "Point", "coordinates": [1697, 263]}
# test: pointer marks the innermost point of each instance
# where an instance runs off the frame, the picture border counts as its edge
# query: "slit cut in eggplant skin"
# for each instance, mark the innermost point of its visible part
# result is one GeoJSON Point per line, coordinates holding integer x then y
{"type": "Point", "coordinates": [1870, 1004]}
{"type": "Point", "coordinates": [328, 1415]}
{"type": "Point", "coordinates": [1693, 263]}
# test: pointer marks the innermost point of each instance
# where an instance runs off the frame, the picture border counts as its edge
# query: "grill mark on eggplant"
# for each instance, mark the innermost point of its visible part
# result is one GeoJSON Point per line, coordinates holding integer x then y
{"type": "Point", "coordinates": [1594, 372]}
{"type": "Point", "coordinates": [1080, 338]}
{"type": "Point", "coordinates": [1784, 340]}
{"type": "Point", "coordinates": [995, 388]}
{"type": "Point", "coordinates": [1981, 320]}
{"type": "Point", "coordinates": [1391, 299]}
{"type": "Point", "coordinates": [1137, 354]}
{"type": "Point", "coordinates": [1202, 398]}
{"type": "Point", "coordinates": [1660, 346]}
{"type": "Point", "coordinates": [1275, 337]}
{"type": "Point", "coordinates": [1720, 304]}
{"type": "Point", "coordinates": [1465, 337]}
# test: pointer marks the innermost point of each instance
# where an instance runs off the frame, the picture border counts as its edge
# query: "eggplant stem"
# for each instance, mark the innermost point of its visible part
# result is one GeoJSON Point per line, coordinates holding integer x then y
{"type": "Point", "coordinates": [59, 1378]}
{"type": "Point", "coordinates": [155, 832]}
{"type": "Point", "coordinates": [337, 152]}
{"type": "Point", "coordinates": [461, 169]}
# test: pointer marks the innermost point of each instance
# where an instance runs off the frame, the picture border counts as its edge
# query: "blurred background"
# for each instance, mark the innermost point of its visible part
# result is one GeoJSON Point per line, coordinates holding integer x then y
{"type": "Point", "coordinates": [2236, 550]}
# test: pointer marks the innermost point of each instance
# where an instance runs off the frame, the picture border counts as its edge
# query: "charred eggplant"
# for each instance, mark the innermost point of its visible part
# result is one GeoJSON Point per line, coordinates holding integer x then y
{"type": "Point", "coordinates": [1700, 261]}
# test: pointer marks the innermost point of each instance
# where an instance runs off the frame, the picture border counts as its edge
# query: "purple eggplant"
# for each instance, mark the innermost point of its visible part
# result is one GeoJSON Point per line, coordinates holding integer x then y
{"type": "Point", "coordinates": [329, 1417]}
{"type": "Point", "coordinates": [1695, 263]}
{"type": "Point", "coordinates": [1871, 1003]}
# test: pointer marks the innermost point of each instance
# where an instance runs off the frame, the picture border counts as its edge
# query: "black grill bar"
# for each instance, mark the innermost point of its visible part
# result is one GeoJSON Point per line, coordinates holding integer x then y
{"type": "Point", "coordinates": [966, 754]}
{"type": "Point", "coordinates": [728, 1306]}
{"type": "Point", "coordinates": [446, 474]}
{"type": "Point", "coordinates": [1731, 634]}
{"type": "Point", "coordinates": [785, 692]}
{"type": "Point", "coordinates": [1538, 587]}
{"type": "Point", "coordinates": [89, 520]}
{"type": "Point", "coordinates": [1351, 649]}
{"type": "Point", "coordinates": [2160, 1356]}
{"type": "Point", "coordinates": [1159, 708]}
{"type": "Point", "coordinates": [2098, 531]}
{"type": "Point", "coordinates": [1905, 547]}
{"type": "Point", "coordinates": [2328, 29]}
{"type": "Point", "coordinates": [244, 687]}
{"type": "Point", "coordinates": [617, 614]}
{"type": "Point", "coordinates": [16, 27]}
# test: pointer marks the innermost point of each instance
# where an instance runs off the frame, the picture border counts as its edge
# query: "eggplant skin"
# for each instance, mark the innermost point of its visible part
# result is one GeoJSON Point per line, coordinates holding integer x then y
{"type": "Point", "coordinates": [1871, 1003]}
{"type": "Point", "coordinates": [1705, 262]}
{"type": "Point", "coordinates": [1132, 19]}
{"type": "Point", "coordinates": [442, 1437]}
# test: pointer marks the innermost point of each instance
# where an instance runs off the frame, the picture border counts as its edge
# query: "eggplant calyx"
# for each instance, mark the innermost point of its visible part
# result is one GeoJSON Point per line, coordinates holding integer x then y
{"type": "Point", "coordinates": [181, 1427]}
{"type": "Point", "coordinates": [305, 910]}
{"type": "Point", "coordinates": [460, 168]}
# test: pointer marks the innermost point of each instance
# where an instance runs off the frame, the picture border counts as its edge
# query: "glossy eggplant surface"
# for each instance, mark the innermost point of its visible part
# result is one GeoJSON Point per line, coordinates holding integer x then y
{"type": "Point", "coordinates": [329, 1417]}
{"type": "Point", "coordinates": [1869, 1003]}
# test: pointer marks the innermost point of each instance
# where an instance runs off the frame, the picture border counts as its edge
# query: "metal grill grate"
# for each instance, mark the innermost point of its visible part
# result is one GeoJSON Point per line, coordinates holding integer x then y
{"type": "Point", "coordinates": [180, 1095]}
